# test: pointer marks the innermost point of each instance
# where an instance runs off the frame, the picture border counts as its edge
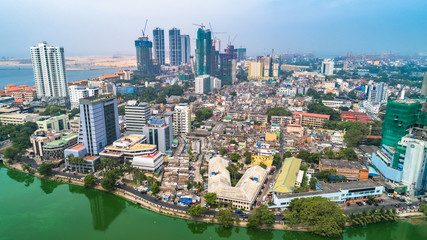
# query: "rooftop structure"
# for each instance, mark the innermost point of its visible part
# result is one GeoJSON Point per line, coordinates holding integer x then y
{"type": "Point", "coordinates": [352, 170]}
{"type": "Point", "coordinates": [285, 182]}
{"type": "Point", "coordinates": [244, 194]}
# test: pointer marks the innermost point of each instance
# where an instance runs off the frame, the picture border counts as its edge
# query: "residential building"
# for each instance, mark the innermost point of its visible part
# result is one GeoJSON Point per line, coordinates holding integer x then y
{"type": "Point", "coordinates": [99, 123]}
{"type": "Point", "coordinates": [204, 53]}
{"type": "Point", "coordinates": [175, 47]}
{"type": "Point", "coordinates": [352, 170]}
{"type": "Point", "coordinates": [22, 92]}
{"type": "Point", "coordinates": [377, 94]}
{"type": "Point", "coordinates": [181, 119]}
{"type": "Point", "coordinates": [228, 65]}
{"type": "Point", "coordinates": [18, 118]}
{"type": "Point", "coordinates": [144, 55]}
{"type": "Point", "coordinates": [244, 194]}
{"type": "Point", "coordinates": [125, 74]}
{"type": "Point", "coordinates": [159, 45]}
{"type": "Point", "coordinates": [137, 115]}
{"type": "Point", "coordinates": [185, 48]}
{"type": "Point", "coordinates": [202, 84]}
{"type": "Point", "coordinates": [310, 119]}
{"type": "Point", "coordinates": [49, 71]}
{"type": "Point", "coordinates": [78, 92]}
{"type": "Point", "coordinates": [327, 67]}
{"type": "Point", "coordinates": [55, 123]}
{"type": "Point", "coordinates": [159, 131]}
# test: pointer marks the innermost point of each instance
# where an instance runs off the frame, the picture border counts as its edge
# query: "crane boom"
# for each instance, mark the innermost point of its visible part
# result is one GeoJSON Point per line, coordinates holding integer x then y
{"type": "Point", "coordinates": [143, 31]}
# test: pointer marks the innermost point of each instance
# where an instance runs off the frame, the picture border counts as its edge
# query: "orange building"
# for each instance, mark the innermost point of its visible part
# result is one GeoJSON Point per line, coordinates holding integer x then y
{"type": "Point", "coordinates": [352, 170]}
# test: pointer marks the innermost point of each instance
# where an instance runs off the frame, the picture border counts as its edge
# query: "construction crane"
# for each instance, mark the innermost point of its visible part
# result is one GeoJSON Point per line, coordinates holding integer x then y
{"type": "Point", "coordinates": [200, 25]}
{"type": "Point", "coordinates": [143, 31]}
{"type": "Point", "coordinates": [229, 43]}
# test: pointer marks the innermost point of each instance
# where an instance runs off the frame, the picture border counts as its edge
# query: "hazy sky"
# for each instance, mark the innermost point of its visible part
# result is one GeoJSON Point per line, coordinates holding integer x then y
{"type": "Point", "coordinates": [108, 27]}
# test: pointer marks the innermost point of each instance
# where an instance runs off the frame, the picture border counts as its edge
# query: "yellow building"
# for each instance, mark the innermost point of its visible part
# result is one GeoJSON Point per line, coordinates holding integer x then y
{"type": "Point", "coordinates": [56, 123]}
{"type": "Point", "coordinates": [258, 159]}
{"type": "Point", "coordinates": [271, 137]}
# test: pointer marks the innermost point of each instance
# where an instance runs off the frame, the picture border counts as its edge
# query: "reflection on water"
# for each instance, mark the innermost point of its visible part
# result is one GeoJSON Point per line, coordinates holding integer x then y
{"type": "Point", "coordinates": [48, 186]}
{"type": "Point", "coordinates": [104, 207]}
{"type": "Point", "coordinates": [197, 227]}
{"type": "Point", "coordinates": [223, 232]}
{"type": "Point", "coordinates": [20, 177]}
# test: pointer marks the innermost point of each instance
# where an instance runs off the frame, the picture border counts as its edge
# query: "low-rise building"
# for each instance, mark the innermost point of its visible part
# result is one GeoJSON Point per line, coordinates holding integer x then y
{"type": "Point", "coordinates": [245, 193]}
{"type": "Point", "coordinates": [336, 192]}
{"type": "Point", "coordinates": [352, 170]}
{"type": "Point", "coordinates": [18, 118]}
{"type": "Point", "coordinates": [56, 123]}
{"type": "Point", "coordinates": [310, 119]}
{"type": "Point", "coordinates": [285, 182]}
{"type": "Point", "coordinates": [258, 159]}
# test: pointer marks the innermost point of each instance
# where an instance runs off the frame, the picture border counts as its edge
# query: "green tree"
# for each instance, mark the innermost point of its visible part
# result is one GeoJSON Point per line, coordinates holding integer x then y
{"type": "Point", "coordinates": [319, 108]}
{"type": "Point", "coordinates": [287, 154]}
{"type": "Point", "coordinates": [122, 110]}
{"type": "Point", "coordinates": [260, 217]}
{"type": "Point", "coordinates": [53, 110]}
{"type": "Point", "coordinates": [13, 153]}
{"type": "Point", "coordinates": [263, 165]}
{"type": "Point", "coordinates": [45, 169]}
{"type": "Point", "coordinates": [319, 214]}
{"type": "Point", "coordinates": [276, 159]}
{"type": "Point", "coordinates": [203, 114]}
{"type": "Point", "coordinates": [304, 155]}
{"type": "Point", "coordinates": [210, 198]}
{"type": "Point", "coordinates": [89, 180]}
{"type": "Point", "coordinates": [312, 183]}
{"type": "Point", "coordinates": [222, 150]}
{"type": "Point", "coordinates": [349, 154]}
{"type": "Point", "coordinates": [148, 94]}
{"type": "Point", "coordinates": [423, 208]}
{"type": "Point", "coordinates": [225, 218]}
{"type": "Point", "coordinates": [155, 188]}
{"type": "Point", "coordinates": [174, 90]}
{"type": "Point", "coordinates": [196, 210]}
{"type": "Point", "coordinates": [74, 112]}
{"type": "Point", "coordinates": [248, 157]}
{"type": "Point", "coordinates": [109, 180]}
{"type": "Point", "coordinates": [235, 157]}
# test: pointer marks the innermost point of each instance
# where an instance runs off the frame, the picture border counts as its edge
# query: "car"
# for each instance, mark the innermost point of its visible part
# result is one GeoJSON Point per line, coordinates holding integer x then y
{"type": "Point", "coordinates": [359, 204]}
{"type": "Point", "coordinates": [244, 216]}
{"type": "Point", "coordinates": [216, 210]}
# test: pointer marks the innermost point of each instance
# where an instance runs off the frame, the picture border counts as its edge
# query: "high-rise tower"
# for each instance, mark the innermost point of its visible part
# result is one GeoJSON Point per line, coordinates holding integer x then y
{"type": "Point", "coordinates": [424, 86]}
{"type": "Point", "coordinates": [143, 55]}
{"type": "Point", "coordinates": [49, 71]}
{"type": "Point", "coordinates": [185, 48]}
{"type": "Point", "coordinates": [175, 47]}
{"type": "Point", "coordinates": [159, 45]}
{"type": "Point", "coordinates": [204, 52]}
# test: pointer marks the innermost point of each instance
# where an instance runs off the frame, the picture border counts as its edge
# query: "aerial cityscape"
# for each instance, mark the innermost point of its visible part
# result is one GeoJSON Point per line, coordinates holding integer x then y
{"type": "Point", "coordinates": [208, 132]}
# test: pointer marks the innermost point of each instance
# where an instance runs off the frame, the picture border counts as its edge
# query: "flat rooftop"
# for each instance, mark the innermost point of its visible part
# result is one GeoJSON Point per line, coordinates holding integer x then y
{"type": "Point", "coordinates": [77, 147]}
{"type": "Point", "coordinates": [336, 163]}
{"type": "Point", "coordinates": [137, 146]}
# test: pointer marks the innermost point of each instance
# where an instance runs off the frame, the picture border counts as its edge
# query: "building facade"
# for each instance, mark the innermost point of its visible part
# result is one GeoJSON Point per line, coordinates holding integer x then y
{"type": "Point", "coordinates": [99, 123]}
{"type": "Point", "coordinates": [327, 67]}
{"type": "Point", "coordinates": [137, 115]}
{"type": "Point", "coordinates": [159, 45]}
{"type": "Point", "coordinates": [55, 123]}
{"type": "Point", "coordinates": [49, 70]}
{"type": "Point", "coordinates": [182, 119]}
{"type": "Point", "coordinates": [144, 55]}
{"type": "Point", "coordinates": [185, 48]}
{"type": "Point", "coordinates": [310, 119]}
{"type": "Point", "coordinates": [78, 92]}
{"type": "Point", "coordinates": [204, 53]}
{"type": "Point", "coordinates": [175, 54]}
{"type": "Point", "coordinates": [159, 131]}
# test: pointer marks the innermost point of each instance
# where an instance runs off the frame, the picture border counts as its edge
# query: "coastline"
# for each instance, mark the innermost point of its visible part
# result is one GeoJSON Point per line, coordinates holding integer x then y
{"type": "Point", "coordinates": [174, 213]}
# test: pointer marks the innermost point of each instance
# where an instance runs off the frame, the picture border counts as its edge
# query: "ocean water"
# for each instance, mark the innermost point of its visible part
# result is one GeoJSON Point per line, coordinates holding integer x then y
{"type": "Point", "coordinates": [19, 75]}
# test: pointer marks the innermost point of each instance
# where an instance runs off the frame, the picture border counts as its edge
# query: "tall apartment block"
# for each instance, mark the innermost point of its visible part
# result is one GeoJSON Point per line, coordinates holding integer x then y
{"type": "Point", "coordinates": [143, 55]}
{"type": "Point", "coordinates": [204, 52]}
{"type": "Point", "coordinates": [175, 47]}
{"type": "Point", "coordinates": [137, 115]}
{"type": "Point", "coordinates": [78, 92]}
{"type": "Point", "coordinates": [228, 63]}
{"type": "Point", "coordinates": [159, 131]}
{"type": "Point", "coordinates": [99, 123]}
{"type": "Point", "coordinates": [185, 48]}
{"type": "Point", "coordinates": [181, 119]}
{"type": "Point", "coordinates": [159, 45]}
{"type": "Point", "coordinates": [327, 67]}
{"type": "Point", "coordinates": [377, 93]}
{"type": "Point", "coordinates": [49, 70]}
{"type": "Point", "coordinates": [241, 54]}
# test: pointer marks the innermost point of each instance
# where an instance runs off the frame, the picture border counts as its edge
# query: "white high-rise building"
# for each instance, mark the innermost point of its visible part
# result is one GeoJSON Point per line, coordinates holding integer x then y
{"type": "Point", "coordinates": [215, 83]}
{"type": "Point", "coordinates": [202, 84]}
{"type": "Point", "coordinates": [181, 119]}
{"type": "Point", "coordinates": [327, 67]}
{"type": "Point", "coordinates": [78, 92]}
{"type": "Point", "coordinates": [49, 71]}
{"type": "Point", "coordinates": [217, 44]}
{"type": "Point", "coordinates": [159, 131]}
{"type": "Point", "coordinates": [414, 174]}
{"type": "Point", "coordinates": [377, 93]}
{"type": "Point", "coordinates": [137, 115]}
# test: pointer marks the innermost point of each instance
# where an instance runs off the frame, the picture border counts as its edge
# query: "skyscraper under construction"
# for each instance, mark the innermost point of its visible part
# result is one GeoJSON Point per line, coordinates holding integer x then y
{"type": "Point", "coordinates": [204, 52]}
{"type": "Point", "coordinates": [143, 55]}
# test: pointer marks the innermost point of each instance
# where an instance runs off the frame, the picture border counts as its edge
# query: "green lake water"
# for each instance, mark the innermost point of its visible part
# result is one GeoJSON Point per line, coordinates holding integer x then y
{"type": "Point", "coordinates": [32, 208]}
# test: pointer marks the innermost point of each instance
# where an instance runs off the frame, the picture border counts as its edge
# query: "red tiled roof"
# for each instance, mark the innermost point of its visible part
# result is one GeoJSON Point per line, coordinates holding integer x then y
{"type": "Point", "coordinates": [77, 147]}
